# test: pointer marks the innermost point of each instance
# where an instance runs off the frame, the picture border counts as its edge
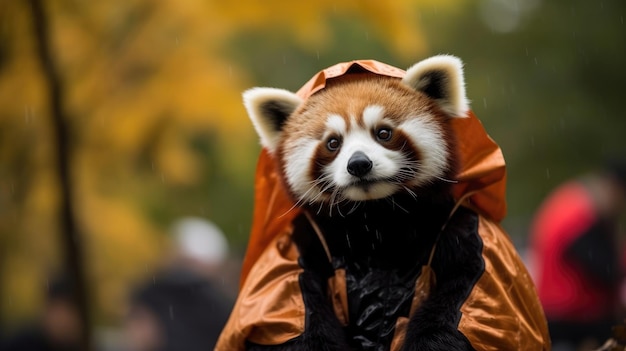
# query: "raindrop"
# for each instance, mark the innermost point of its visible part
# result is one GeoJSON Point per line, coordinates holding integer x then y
{"type": "Point", "coordinates": [28, 114]}
{"type": "Point", "coordinates": [318, 54]}
{"type": "Point", "coordinates": [485, 102]}
{"type": "Point", "coordinates": [532, 141]}
{"type": "Point", "coordinates": [367, 229]}
{"type": "Point", "coordinates": [367, 36]}
{"type": "Point", "coordinates": [536, 62]}
{"type": "Point", "coordinates": [348, 239]}
{"type": "Point", "coordinates": [171, 312]}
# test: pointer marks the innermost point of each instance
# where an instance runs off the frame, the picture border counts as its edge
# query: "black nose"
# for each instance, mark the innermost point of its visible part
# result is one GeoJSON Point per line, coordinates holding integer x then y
{"type": "Point", "coordinates": [359, 164]}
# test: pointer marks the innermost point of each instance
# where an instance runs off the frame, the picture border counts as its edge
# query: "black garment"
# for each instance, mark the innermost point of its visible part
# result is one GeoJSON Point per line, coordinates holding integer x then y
{"type": "Point", "coordinates": [190, 308]}
{"type": "Point", "coordinates": [32, 338]}
{"type": "Point", "coordinates": [573, 334]}
{"type": "Point", "coordinates": [596, 253]}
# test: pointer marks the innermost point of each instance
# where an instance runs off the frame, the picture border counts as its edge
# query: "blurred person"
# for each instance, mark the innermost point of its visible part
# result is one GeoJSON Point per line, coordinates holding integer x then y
{"type": "Point", "coordinates": [576, 257]}
{"type": "Point", "coordinates": [183, 307]}
{"type": "Point", "coordinates": [58, 327]}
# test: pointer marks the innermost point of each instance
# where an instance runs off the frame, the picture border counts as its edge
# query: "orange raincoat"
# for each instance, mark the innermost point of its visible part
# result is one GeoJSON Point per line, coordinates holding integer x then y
{"type": "Point", "coordinates": [502, 311]}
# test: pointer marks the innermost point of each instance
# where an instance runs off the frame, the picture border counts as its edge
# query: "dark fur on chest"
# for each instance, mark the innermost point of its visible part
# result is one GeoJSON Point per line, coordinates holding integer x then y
{"type": "Point", "coordinates": [382, 233]}
{"type": "Point", "coordinates": [382, 246]}
{"type": "Point", "coordinates": [387, 234]}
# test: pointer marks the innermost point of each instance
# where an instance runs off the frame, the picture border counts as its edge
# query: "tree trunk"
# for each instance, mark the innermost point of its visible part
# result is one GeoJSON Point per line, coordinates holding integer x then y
{"type": "Point", "coordinates": [74, 264]}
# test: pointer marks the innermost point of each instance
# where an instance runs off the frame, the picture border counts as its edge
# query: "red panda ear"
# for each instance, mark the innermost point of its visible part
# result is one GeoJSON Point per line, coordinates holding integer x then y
{"type": "Point", "coordinates": [441, 78]}
{"type": "Point", "coordinates": [269, 108]}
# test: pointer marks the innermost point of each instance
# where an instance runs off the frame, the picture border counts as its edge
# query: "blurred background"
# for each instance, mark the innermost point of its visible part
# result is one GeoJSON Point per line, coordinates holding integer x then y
{"type": "Point", "coordinates": [130, 117]}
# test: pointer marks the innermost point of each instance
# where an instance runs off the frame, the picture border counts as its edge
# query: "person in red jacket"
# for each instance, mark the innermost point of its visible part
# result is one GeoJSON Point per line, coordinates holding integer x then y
{"type": "Point", "coordinates": [574, 240]}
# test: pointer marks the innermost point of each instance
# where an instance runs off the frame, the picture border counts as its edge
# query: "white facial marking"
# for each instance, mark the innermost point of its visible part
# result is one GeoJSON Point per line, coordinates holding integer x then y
{"type": "Point", "coordinates": [336, 124]}
{"type": "Point", "coordinates": [375, 191]}
{"type": "Point", "coordinates": [373, 115]}
{"type": "Point", "coordinates": [429, 140]}
{"type": "Point", "coordinates": [297, 167]}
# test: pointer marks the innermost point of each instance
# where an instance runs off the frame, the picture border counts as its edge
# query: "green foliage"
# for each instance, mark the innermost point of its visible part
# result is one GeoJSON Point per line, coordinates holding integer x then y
{"type": "Point", "coordinates": [549, 92]}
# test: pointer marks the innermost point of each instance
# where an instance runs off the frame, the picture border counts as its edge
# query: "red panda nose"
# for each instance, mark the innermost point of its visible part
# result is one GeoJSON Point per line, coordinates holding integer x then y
{"type": "Point", "coordinates": [359, 164]}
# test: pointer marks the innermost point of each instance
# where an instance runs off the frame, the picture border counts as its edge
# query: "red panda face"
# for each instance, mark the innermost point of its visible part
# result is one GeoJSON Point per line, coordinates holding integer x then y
{"type": "Point", "coordinates": [363, 138]}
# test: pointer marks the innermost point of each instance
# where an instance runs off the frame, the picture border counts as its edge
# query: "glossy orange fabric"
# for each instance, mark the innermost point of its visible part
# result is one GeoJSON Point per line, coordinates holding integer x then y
{"type": "Point", "coordinates": [272, 311]}
{"type": "Point", "coordinates": [502, 311]}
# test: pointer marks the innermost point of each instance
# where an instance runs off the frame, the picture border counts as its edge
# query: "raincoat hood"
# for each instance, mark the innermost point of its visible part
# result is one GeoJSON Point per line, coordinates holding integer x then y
{"type": "Point", "coordinates": [482, 169]}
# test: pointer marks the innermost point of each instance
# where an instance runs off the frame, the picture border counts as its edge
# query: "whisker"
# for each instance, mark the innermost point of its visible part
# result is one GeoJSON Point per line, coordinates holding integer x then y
{"type": "Point", "coordinates": [319, 210]}
{"type": "Point", "coordinates": [333, 196]}
{"type": "Point", "coordinates": [447, 180]}
{"type": "Point", "coordinates": [411, 192]}
{"type": "Point", "coordinates": [393, 202]}
{"type": "Point", "coordinates": [339, 210]}
{"type": "Point", "coordinates": [355, 206]}
{"type": "Point", "coordinates": [289, 210]}
{"type": "Point", "coordinates": [300, 200]}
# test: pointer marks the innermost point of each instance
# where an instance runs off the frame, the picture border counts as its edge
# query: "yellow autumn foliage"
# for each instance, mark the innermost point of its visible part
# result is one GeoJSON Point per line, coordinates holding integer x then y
{"type": "Point", "coordinates": [139, 77]}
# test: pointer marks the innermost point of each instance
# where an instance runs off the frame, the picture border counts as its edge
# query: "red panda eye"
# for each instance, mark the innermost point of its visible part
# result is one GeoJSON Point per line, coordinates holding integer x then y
{"type": "Point", "coordinates": [383, 134]}
{"type": "Point", "coordinates": [333, 144]}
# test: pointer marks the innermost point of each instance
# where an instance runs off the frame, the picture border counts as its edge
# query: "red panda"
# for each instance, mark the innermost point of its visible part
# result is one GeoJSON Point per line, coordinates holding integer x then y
{"type": "Point", "coordinates": [370, 162]}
